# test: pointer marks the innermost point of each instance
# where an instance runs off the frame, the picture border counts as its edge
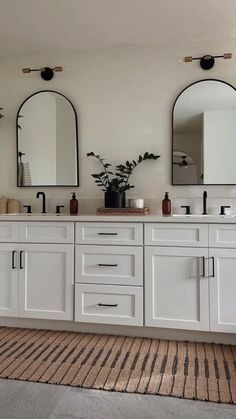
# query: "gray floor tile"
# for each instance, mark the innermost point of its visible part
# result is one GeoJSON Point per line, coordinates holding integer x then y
{"type": "Point", "coordinates": [23, 400]}
{"type": "Point", "coordinates": [193, 409]}
{"type": "Point", "coordinates": [94, 404]}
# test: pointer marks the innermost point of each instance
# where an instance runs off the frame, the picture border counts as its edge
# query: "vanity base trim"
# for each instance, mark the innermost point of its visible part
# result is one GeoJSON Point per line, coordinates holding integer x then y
{"type": "Point", "coordinates": [148, 332]}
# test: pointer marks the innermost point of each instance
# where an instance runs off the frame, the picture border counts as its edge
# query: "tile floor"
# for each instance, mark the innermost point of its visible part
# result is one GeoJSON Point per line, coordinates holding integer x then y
{"type": "Point", "coordinates": [24, 400]}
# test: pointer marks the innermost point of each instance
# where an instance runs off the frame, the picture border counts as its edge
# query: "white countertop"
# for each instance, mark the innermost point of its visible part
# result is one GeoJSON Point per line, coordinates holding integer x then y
{"type": "Point", "coordinates": [152, 218]}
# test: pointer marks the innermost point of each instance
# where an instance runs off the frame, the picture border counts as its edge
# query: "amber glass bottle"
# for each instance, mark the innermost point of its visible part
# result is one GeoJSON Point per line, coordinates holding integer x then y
{"type": "Point", "coordinates": [166, 205]}
{"type": "Point", "coordinates": [74, 205]}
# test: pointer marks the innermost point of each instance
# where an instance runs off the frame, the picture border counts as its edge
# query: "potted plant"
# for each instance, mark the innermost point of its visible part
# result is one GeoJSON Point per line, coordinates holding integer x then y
{"type": "Point", "coordinates": [115, 184]}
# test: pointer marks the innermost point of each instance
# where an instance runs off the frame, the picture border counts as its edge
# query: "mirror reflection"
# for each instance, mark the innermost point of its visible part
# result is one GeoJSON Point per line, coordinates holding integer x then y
{"type": "Point", "coordinates": [47, 143]}
{"type": "Point", "coordinates": [204, 129]}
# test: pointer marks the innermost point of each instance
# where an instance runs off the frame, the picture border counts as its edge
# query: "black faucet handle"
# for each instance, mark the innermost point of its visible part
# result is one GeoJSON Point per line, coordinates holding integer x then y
{"type": "Point", "coordinates": [28, 208]}
{"type": "Point", "coordinates": [222, 209]}
{"type": "Point", "coordinates": [187, 209]}
{"type": "Point", "coordinates": [58, 208]}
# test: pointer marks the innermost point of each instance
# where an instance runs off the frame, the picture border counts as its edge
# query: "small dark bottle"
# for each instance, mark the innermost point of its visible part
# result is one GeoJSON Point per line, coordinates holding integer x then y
{"type": "Point", "coordinates": [166, 205]}
{"type": "Point", "coordinates": [74, 205]}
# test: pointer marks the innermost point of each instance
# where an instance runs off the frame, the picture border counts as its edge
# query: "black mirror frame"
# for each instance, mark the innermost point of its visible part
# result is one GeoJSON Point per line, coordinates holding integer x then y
{"type": "Point", "coordinates": [77, 143]}
{"type": "Point", "coordinates": [172, 135]}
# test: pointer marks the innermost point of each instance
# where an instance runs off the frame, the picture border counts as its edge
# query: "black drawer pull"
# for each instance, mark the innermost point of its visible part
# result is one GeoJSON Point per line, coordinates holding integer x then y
{"type": "Point", "coordinates": [213, 267]}
{"type": "Point", "coordinates": [113, 265]}
{"type": "Point", "coordinates": [107, 234]}
{"type": "Point", "coordinates": [107, 305]}
{"type": "Point", "coordinates": [203, 267]}
{"type": "Point", "coordinates": [21, 259]}
{"type": "Point", "coordinates": [13, 261]}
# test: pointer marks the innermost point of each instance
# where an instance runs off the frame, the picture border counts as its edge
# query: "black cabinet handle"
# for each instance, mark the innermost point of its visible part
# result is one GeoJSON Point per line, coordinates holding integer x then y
{"type": "Point", "coordinates": [108, 264]}
{"type": "Point", "coordinates": [213, 267]}
{"type": "Point", "coordinates": [21, 259]}
{"type": "Point", "coordinates": [203, 267]}
{"type": "Point", "coordinates": [13, 260]}
{"type": "Point", "coordinates": [107, 234]}
{"type": "Point", "coordinates": [107, 305]}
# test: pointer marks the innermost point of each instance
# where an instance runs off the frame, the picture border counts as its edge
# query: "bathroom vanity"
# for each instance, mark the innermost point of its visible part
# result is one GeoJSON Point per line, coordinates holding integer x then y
{"type": "Point", "coordinates": [153, 272]}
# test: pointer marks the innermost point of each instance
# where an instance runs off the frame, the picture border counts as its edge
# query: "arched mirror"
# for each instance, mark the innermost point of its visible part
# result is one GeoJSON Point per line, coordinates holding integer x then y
{"type": "Point", "coordinates": [47, 141]}
{"type": "Point", "coordinates": [204, 134]}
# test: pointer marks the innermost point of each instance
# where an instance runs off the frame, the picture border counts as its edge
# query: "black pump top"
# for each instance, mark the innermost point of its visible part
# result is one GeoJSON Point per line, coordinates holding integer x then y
{"type": "Point", "coordinates": [73, 195]}
{"type": "Point", "coordinates": [166, 195]}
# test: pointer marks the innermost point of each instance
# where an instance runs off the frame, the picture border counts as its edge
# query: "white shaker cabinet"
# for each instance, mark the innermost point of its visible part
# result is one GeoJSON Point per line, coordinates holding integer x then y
{"type": "Point", "coordinates": [176, 288]}
{"type": "Point", "coordinates": [111, 265]}
{"type": "Point", "coordinates": [222, 273]}
{"type": "Point", "coordinates": [176, 234]}
{"type": "Point", "coordinates": [109, 273]}
{"type": "Point", "coordinates": [108, 304]}
{"type": "Point", "coordinates": [46, 278]}
{"type": "Point", "coordinates": [8, 280]}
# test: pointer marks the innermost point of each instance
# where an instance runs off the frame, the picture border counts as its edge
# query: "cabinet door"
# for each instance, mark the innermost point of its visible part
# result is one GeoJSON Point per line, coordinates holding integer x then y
{"type": "Point", "coordinates": [46, 281]}
{"type": "Point", "coordinates": [222, 271]}
{"type": "Point", "coordinates": [176, 288]}
{"type": "Point", "coordinates": [8, 280]}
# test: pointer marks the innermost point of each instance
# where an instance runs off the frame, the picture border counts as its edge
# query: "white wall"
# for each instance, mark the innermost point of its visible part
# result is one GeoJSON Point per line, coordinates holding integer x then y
{"type": "Point", "coordinates": [124, 99]}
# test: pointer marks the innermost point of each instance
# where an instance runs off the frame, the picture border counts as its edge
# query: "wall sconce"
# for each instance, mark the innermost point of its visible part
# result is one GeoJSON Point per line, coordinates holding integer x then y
{"type": "Point", "coordinates": [46, 73]}
{"type": "Point", "coordinates": [207, 61]}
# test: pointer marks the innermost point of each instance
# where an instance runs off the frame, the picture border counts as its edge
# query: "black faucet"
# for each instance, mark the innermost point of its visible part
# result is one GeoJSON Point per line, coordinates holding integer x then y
{"type": "Point", "coordinates": [204, 203]}
{"type": "Point", "coordinates": [44, 201]}
{"type": "Point", "coordinates": [187, 209]}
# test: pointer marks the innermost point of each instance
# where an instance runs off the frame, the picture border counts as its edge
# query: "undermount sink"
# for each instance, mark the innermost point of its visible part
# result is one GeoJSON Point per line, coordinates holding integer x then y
{"type": "Point", "coordinates": [204, 216]}
{"type": "Point", "coordinates": [50, 214]}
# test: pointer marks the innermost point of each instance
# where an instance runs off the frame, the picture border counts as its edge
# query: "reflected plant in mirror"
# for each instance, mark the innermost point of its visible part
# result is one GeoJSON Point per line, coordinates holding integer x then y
{"type": "Point", "coordinates": [47, 141]}
{"type": "Point", "coordinates": [203, 134]}
{"type": "Point", "coordinates": [1, 114]}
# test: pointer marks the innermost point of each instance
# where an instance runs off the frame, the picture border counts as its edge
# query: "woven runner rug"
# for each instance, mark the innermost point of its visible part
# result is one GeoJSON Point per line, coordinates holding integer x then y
{"type": "Point", "coordinates": [136, 365]}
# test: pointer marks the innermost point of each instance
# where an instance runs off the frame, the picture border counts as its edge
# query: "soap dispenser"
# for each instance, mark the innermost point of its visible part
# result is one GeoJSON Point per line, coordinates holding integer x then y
{"type": "Point", "coordinates": [166, 205]}
{"type": "Point", "coordinates": [74, 205]}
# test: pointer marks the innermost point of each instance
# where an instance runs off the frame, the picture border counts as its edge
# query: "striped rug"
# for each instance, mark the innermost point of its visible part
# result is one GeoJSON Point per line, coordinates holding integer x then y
{"type": "Point", "coordinates": [136, 365]}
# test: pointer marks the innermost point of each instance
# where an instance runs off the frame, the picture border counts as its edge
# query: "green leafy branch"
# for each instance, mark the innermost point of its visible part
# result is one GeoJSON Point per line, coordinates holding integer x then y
{"type": "Point", "coordinates": [118, 181]}
{"type": "Point", "coordinates": [101, 179]}
{"type": "Point", "coordinates": [1, 115]}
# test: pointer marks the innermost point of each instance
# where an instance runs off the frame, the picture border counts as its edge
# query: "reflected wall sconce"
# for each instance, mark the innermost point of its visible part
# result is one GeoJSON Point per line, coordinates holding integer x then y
{"type": "Point", "coordinates": [46, 73]}
{"type": "Point", "coordinates": [184, 162]}
{"type": "Point", "coordinates": [207, 61]}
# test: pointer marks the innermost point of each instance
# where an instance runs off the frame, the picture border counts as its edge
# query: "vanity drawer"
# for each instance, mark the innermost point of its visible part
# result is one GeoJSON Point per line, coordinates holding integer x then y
{"type": "Point", "coordinates": [49, 232]}
{"type": "Point", "coordinates": [109, 233]}
{"type": "Point", "coordinates": [9, 232]}
{"type": "Point", "coordinates": [170, 234]}
{"type": "Point", "coordinates": [222, 235]}
{"type": "Point", "coordinates": [113, 265]}
{"type": "Point", "coordinates": [109, 304]}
